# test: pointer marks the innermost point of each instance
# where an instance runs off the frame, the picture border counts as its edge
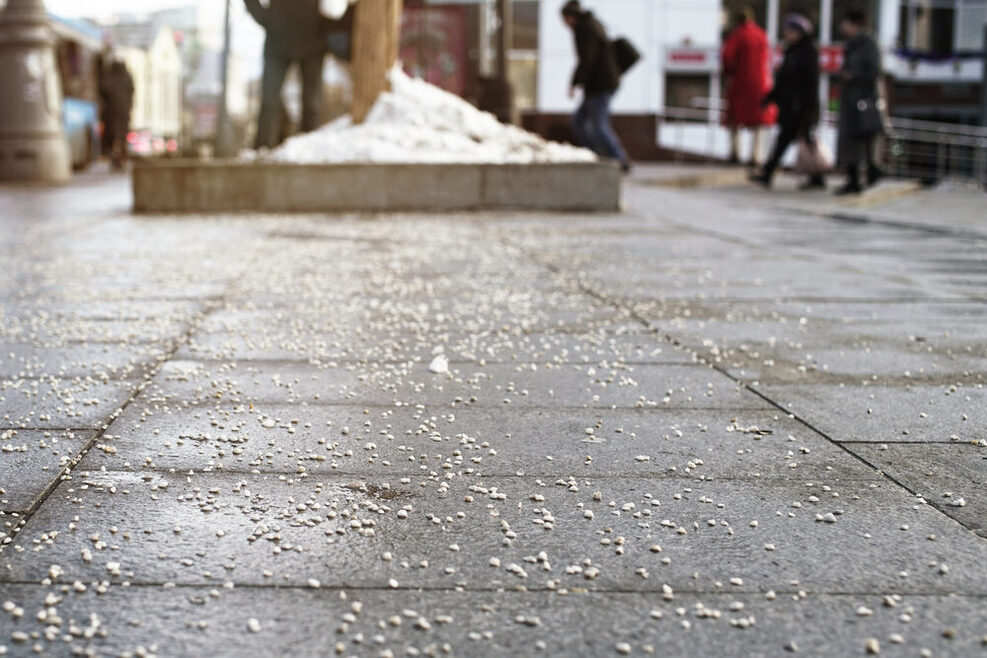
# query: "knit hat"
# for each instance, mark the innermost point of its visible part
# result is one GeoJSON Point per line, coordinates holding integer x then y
{"type": "Point", "coordinates": [572, 8]}
{"type": "Point", "coordinates": [798, 22]}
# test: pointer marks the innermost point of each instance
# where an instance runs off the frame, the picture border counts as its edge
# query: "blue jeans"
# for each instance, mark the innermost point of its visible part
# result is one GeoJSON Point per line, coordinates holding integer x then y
{"type": "Point", "coordinates": [593, 129]}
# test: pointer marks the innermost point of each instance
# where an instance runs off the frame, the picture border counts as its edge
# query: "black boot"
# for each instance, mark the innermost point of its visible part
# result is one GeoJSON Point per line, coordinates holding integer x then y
{"type": "Point", "coordinates": [852, 185]}
{"type": "Point", "coordinates": [764, 176]}
{"type": "Point", "coordinates": [814, 183]}
{"type": "Point", "coordinates": [874, 174]}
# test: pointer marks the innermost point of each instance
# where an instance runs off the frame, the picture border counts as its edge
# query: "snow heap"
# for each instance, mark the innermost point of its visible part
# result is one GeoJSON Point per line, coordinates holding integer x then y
{"type": "Point", "coordinates": [417, 122]}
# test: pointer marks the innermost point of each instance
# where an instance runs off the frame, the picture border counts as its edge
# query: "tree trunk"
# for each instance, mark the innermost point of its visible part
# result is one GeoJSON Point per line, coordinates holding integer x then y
{"type": "Point", "coordinates": [376, 40]}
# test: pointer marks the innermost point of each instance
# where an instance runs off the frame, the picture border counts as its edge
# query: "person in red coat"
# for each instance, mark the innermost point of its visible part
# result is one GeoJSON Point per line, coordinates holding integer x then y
{"type": "Point", "coordinates": [747, 64]}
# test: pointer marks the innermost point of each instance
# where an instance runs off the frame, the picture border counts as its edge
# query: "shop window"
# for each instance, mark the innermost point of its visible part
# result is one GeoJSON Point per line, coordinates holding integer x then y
{"type": "Point", "coordinates": [681, 90]}
{"type": "Point", "coordinates": [929, 27]}
{"type": "Point", "coordinates": [971, 18]}
{"type": "Point", "coordinates": [526, 25]}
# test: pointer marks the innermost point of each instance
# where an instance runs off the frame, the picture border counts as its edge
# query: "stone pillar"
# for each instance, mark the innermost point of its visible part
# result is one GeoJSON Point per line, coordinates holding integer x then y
{"type": "Point", "coordinates": [33, 146]}
{"type": "Point", "coordinates": [376, 41]}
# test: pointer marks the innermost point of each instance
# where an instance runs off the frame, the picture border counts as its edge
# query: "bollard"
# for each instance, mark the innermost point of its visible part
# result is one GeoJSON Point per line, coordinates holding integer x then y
{"type": "Point", "coordinates": [33, 146]}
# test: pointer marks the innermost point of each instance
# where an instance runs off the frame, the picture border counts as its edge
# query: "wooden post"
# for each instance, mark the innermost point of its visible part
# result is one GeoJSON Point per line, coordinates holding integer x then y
{"type": "Point", "coordinates": [376, 40]}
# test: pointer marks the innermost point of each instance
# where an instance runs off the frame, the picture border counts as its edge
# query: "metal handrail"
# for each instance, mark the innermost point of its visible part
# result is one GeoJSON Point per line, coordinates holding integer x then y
{"type": "Point", "coordinates": [828, 117]}
{"type": "Point", "coordinates": [913, 148]}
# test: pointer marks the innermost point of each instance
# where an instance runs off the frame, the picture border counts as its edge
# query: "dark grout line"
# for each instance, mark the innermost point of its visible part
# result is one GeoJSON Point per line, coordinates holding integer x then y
{"type": "Point", "coordinates": [106, 423]}
{"type": "Point", "coordinates": [505, 590]}
{"type": "Point", "coordinates": [163, 470]}
{"type": "Point", "coordinates": [892, 442]}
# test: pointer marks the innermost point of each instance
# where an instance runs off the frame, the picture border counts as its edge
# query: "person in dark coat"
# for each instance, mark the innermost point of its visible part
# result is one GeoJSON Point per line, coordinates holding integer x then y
{"type": "Point", "coordinates": [118, 96]}
{"type": "Point", "coordinates": [860, 112]}
{"type": "Point", "coordinates": [746, 61]}
{"type": "Point", "coordinates": [598, 75]}
{"type": "Point", "coordinates": [296, 32]}
{"type": "Point", "coordinates": [796, 93]}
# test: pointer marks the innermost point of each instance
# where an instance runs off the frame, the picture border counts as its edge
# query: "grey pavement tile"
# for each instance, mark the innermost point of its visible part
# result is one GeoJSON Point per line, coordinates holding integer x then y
{"type": "Point", "coordinates": [937, 413]}
{"type": "Point", "coordinates": [30, 462]}
{"type": "Point", "coordinates": [953, 478]}
{"type": "Point", "coordinates": [436, 532]}
{"type": "Point", "coordinates": [903, 314]}
{"type": "Point", "coordinates": [628, 343]}
{"type": "Point", "coordinates": [195, 622]}
{"type": "Point", "coordinates": [41, 310]}
{"type": "Point", "coordinates": [22, 359]}
{"type": "Point", "coordinates": [56, 403]}
{"type": "Point", "coordinates": [385, 441]}
{"type": "Point", "coordinates": [132, 332]}
{"type": "Point", "coordinates": [503, 385]}
{"type": "Point", "coordinates": [847, 286]}
{"type": "Point", "coordinates": [783, 364]}
{"type": "Point", "coordinates": [556, 312]}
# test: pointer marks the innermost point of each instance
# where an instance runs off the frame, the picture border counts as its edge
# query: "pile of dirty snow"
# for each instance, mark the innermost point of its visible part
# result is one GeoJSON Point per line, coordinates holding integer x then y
{"type": "Point", "coordinates": [417, 122]}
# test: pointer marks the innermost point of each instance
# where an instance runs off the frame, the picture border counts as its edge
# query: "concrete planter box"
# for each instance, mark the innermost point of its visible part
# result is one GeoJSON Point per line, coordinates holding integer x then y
{"type": "Point", "coordinates": [186, 186]}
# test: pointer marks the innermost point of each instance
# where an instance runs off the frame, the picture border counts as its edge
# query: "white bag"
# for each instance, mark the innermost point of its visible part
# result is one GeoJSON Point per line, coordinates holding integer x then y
{"type": "Point", "coordinates": [814, 158]}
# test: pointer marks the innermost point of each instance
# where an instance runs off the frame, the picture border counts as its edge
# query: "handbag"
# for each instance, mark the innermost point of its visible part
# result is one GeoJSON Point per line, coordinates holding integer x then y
{"type": "Point", "coordinates": [813, 158]}
{"type": "Point", "coordinates": [627, 54]}
{"type": "Point", "coordinates": [867, 118]}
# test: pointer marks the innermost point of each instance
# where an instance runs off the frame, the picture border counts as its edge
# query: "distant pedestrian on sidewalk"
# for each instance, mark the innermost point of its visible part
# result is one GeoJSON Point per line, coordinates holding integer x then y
{"type": "Point", "coordinates": [296, 32]}
{"type": "Point", "coordinates": [598, 74]}
{"type": "Point", "coordinates": [118, 98]}
{"type": "Point", "coordinates": [861, 118]}
{"type": "Point", "coordinates": [796, 93]}
{"type": "Point", "coordinates": [746, 61]}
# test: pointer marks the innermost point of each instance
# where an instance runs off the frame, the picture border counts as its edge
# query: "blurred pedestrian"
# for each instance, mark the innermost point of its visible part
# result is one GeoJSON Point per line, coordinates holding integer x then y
{"type": "Point", "coordinates": [117, 88]}
{"type": "Point", "coordinates": [598, 75]}
{"type": "Point", "coordinates": [861, 117]}
{"type": "Point", "coordinates": [746, 61]}
{"type": "Point", "coordinates": [295, 32]}
{"type": "Point", "coordinates": [796, 93]}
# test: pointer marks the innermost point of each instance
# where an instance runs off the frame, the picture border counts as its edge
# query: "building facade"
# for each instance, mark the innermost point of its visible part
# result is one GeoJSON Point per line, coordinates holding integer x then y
{"type": "Point", "coordinates": [933, 58]}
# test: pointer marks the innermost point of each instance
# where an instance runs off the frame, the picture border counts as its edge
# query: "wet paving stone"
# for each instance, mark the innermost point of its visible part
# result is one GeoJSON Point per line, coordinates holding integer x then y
{"type": "Point", "coordinates": [56, 403]}
{"type": "Point", "coordinates": [408, 440]}
{"type": "Point", "coordinates": [521, 385]}
{"type": "Point", "coordinates": [306, 475]}
{"type": "Point", "coordinates": [435, 532]}
{"type": "Point", "coordinates": [79, 360]}
{"type": "Point", "coordinates": [626, 344]}
{"type": "Point", "coordinates": [31, 461]}
{"type": "Point", "coordinates": [305, 622]}
{"type": "Point", "coordinates": [936, 413]}
{"type": "Point", "coordinates": [951, 477]}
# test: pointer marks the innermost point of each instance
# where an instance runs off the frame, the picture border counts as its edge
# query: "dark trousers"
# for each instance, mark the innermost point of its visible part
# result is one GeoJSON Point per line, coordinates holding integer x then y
{"type": "Point", "coordinates": [866, 147]}
{"type": "Point", "coordinates": [594, 130]}
{"type": "Point", "coordinates": [275, 70]}
{"type": "Point", "coordinates": [790, 131]}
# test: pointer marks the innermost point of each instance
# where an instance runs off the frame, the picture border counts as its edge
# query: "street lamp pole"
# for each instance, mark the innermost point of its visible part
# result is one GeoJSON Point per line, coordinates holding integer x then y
{"type": "Point", "coordinates": [224, 131]}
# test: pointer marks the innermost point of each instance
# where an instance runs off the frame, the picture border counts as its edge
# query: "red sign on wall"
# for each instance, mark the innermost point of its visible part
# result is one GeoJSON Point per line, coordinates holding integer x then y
{"type": "Point", "coordinates": [433, 46]}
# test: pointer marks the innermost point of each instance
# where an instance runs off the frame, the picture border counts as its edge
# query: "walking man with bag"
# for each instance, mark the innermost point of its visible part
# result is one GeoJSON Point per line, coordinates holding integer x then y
{"type": "Point", "coordinates": [796, 93]}
{"type": "Point", "coordinates": [861, 119]}
{"type": "Point", "coordinates": [598, 74]}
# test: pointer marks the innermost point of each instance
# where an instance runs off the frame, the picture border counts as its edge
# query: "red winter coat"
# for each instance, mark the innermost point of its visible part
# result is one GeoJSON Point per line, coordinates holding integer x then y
{"type": "Point", "coordinates": [747, 62]}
